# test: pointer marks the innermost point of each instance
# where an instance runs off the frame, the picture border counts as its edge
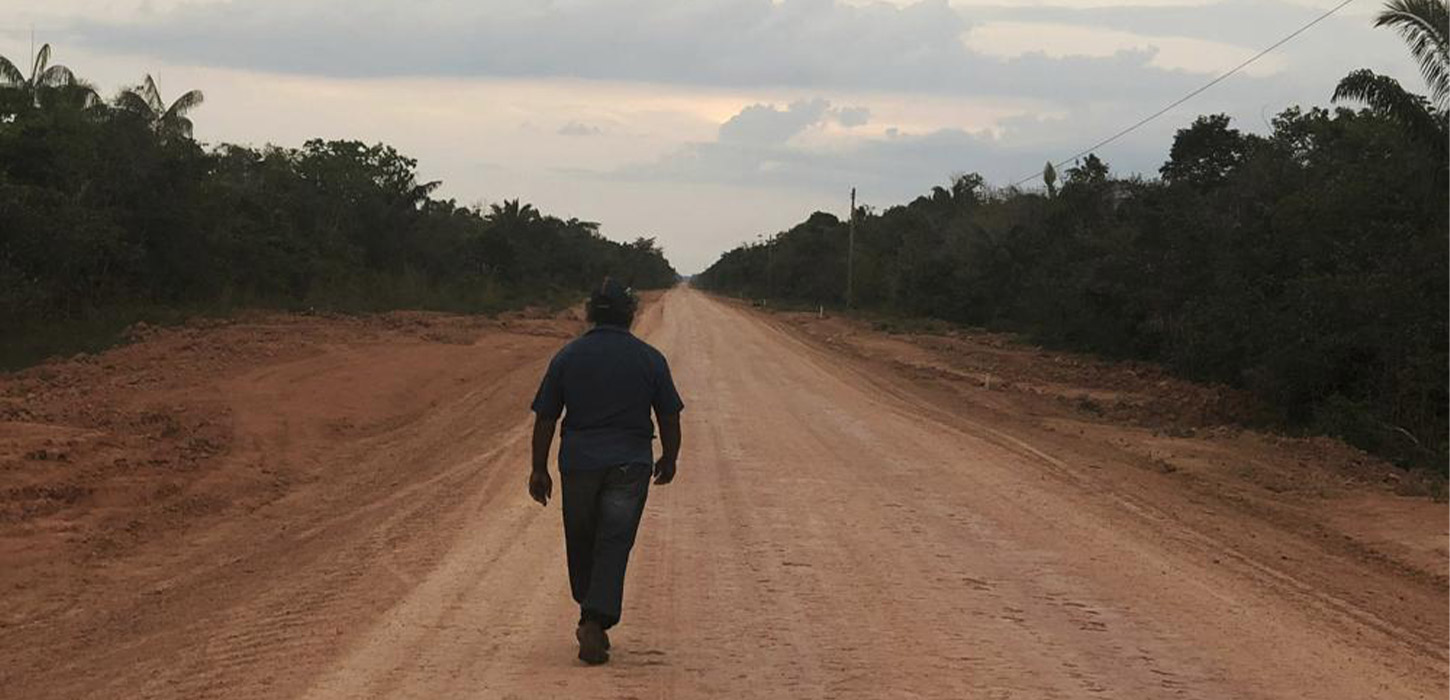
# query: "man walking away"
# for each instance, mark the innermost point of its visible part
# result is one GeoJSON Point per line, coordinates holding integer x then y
{"type": "Point", "coordinates": [604, 383]}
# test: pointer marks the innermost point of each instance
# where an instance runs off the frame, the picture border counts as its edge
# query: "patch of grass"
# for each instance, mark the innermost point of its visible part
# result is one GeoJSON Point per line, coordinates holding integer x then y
{"type": "Point", "coordinates": [788, 306]}
{"type": "Point", "coordinates": [1086, 404]}
{"type": "Point", "coordinates": [28, 343]}
{"type": "Point", "coordinates": [1356, 424]}
{"type": "Point", "coordinates": [1423, 483]}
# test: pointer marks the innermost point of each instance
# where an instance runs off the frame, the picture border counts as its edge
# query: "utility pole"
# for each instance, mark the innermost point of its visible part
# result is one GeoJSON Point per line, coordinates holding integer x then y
{"type": "Point", "coordinates": [851, 256]}
{"type": "Point", "coordinates": [769, 245]}
{"type": "Point", "coordinates": [770, 266]}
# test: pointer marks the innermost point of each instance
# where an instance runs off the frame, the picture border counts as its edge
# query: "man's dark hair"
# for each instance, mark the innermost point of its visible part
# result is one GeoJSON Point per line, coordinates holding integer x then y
{"type": "Point", "coordinates": [612, 317]}
{"type": "Point", "coordinates": [612, 304]}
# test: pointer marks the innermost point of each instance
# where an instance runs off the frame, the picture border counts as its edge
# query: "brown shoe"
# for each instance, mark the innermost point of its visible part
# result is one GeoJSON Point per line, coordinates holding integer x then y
{"type": "Point", "coordinates": [593, 643]}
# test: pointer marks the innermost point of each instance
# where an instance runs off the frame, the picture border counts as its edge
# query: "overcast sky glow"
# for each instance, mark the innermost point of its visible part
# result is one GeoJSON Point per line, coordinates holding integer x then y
{"type": "Point", "coordinates": [706, 122]}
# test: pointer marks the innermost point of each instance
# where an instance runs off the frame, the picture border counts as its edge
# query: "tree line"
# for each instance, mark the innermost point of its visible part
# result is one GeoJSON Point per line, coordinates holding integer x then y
{"type": "Point", "coordinates": [1308, 265]}
{"type": "Point", "coordinates": [110, 212]}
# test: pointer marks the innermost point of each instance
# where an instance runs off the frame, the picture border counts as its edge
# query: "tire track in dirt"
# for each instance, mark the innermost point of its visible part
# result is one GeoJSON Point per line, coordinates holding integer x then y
{"type": "Point", "coordinates": [893, 397]}
{"type": "Point", "coordinates": [830, 535]}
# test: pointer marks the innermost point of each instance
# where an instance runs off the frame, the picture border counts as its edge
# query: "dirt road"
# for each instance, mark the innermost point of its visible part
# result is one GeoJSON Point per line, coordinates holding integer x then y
{"type": "Point", "coordinates": [833, 533]}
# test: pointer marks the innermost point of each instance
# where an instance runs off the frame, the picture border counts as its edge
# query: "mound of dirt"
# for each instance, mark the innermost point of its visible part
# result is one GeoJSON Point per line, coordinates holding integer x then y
{"type": "Point", "coordinates": [1126, 392]}
{"type": "Point", "coordinates": [102, 454]}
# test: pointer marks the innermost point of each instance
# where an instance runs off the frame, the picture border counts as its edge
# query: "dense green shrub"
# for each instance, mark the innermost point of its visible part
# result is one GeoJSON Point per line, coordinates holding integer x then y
{"type": "Point", "coordinates": [110, 213]}
{"type": "Point", "coordinates": [1308, 265]}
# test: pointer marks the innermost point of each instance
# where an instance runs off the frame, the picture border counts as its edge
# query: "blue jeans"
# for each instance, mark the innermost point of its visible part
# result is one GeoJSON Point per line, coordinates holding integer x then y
{"type": "Point", "coordinates": [602, 508]}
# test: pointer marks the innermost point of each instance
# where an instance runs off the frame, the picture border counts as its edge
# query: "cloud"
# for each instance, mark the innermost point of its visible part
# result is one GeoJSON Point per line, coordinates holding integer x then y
{"type": "Point", "coordinates": [575, 128]}
{"type": "Point", "coordinates": [891, 164]}
{"type": "Point", "coordinates": [1251, 23]}
{"type": "Point", "coordinates": [886, 169]}
{"type": "Point", "coordinates": [1146, 53]}
{"type": "Point", "coordinates": [1009, 38]}
{"type": "Point", "coordinates": [809, 44]}
{"type": "Point", "coordinates": [1346, 38]}
{"type": "Point", "coordinates": [768, 124]}
{"type": "Point", "coordinates": [760, 123]}
{"type": "Point", "coordinates": [853, 116]}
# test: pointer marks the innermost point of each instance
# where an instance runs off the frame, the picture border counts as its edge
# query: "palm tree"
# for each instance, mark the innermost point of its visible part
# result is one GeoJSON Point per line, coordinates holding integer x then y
{"type": "Point", "coordinates": [1385, 96]}
{"type": "Point", "coordinates": [512, 212]}
{"type": "Point", "coordinates": [43, 77]}
{"type": "Point", "coordinates": [1423, 24]}
{"type": "Point", "coordinates": [145, 100]}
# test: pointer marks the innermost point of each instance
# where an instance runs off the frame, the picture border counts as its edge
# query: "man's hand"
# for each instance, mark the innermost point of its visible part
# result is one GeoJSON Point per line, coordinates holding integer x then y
{"type": "Point", "coordinates": [664, 471]}
{"type": "Point", "coordinates": [670, 444]}
{"type": "Point", "coordinates": [541, 486]}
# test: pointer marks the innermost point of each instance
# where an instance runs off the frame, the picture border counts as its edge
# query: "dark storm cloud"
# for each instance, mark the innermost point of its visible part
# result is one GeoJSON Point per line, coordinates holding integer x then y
{"type": "Point", "coordinates": [815, 44]}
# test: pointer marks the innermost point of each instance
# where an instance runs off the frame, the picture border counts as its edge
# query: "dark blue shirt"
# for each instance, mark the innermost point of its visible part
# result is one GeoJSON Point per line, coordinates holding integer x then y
{"type": "Point", "coordinates": [604, 383]}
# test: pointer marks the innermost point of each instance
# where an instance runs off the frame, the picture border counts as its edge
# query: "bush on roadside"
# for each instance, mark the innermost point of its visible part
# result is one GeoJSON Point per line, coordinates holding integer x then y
{"type": "Point", "coordinates": [1308, 265]}
{"type": "Point", "coordinates": [109, 215]}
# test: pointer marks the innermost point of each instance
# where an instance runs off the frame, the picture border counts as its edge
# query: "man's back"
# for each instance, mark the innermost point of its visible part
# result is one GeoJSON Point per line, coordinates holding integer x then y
{"type": "Point", "coordinates": [605, 384]}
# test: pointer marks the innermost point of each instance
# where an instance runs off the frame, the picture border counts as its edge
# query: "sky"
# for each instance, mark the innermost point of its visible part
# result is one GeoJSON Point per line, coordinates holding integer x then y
{"type": "Point", "coordinates": [707, 123]}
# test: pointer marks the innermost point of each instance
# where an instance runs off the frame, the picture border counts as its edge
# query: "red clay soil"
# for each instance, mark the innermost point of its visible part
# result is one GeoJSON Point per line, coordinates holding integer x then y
{"type": "Point", "coordinates": [290, 506]}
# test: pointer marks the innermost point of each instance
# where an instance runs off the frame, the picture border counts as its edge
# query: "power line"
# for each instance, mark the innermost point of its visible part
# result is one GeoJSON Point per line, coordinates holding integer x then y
{"type": "Point", "coordinates": [1190, 95]}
